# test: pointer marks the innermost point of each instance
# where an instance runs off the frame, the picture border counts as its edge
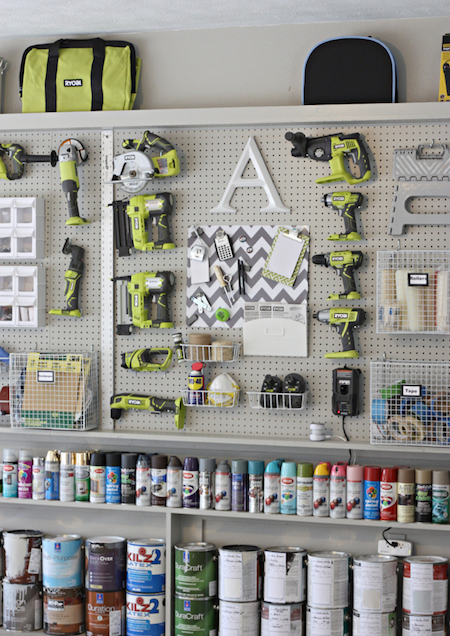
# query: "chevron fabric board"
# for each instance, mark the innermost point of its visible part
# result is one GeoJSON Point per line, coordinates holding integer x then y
{"type": "Point", "coordinates": [257, 288]}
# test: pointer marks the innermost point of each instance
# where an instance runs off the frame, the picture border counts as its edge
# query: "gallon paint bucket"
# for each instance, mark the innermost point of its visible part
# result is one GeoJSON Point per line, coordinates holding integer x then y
{"type": "Point", "coordinates": [105, 564]}
{"type": "Point", "coordinates": [425, 585]}
{"type": "Point", "coordinates": [372, 623]}
{"type": "Point", "coordinates": [146, 614]}
{"type": "Point", "coordinates": [328, 579]}
{"type": "Point", "coordinates": [195, 616]}
{"type": "Point", "coordinates": [146, 566]}
{"type": "Point", "coordinates": [415, 624]}
{"type": "Point", "coordinates": [196, 570]}
{"type": "Point", "coordinates": [285, 575]}
{"type": "Point", "coordinates": [105, 613]}
{"type": "Point", "coordinates": [240, 573]}
{"type": "Point", "coordinates": [375, 583]}
{"type": "Point", "coordinates": [64, 611]}
{"type": "Point", "coordinates": [62, 561]}
{"type": "Point", "coordinates": [283, 619]}
{"type": "Point", "coordinates": [23, 556]}
{"type": "Point", "coordinates": [239, 619]}
{"type": "Point", "coordinates": [22, 607]}
{"type": "Point", "coordinates": [328, 622]}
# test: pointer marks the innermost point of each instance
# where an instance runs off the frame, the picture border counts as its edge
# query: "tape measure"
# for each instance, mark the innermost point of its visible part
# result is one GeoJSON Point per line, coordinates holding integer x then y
{"type": "Point", "coordinates": [222, 314]}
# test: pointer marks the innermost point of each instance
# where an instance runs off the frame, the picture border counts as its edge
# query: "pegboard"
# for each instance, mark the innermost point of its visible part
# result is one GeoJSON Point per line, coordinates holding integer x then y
{"type": "Point", "coordinates": [208, 158]}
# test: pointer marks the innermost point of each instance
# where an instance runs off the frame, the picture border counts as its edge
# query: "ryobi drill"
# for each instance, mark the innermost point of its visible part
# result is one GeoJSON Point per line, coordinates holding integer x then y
{"type": "Point", "coordinates": [131, 223]}
{"type": "Point", "coordinates": [344, 265]}
{"type": "Point", "coordinates": [333, 148]}
{"type": "Point", "coordinates": [345, 204]}
{"type": "Point", "coordinates": [145, 359]}
{"type": "Point", "coordinates": [344, 320]}
{"type": "Point", "coordinates": [167, 164]}
{"type": "Point", "coordinates": [19, 158]}
{"type": "Point", "coordinates": [126, 401]}
{"type": "Point", "coordinates": [73, 278]}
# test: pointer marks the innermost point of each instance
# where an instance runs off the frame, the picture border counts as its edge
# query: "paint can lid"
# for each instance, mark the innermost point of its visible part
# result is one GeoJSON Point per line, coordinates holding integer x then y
{"type": "Point", "coordinates": [239, 466]}
{"type": "Point", "coordinates": [406, 476]}
{"type": "Point", "coordinates": [190, 463]}
{"type": "Point", "coordinates": [223, 467]}
{"type": "Point", "coordinates": [256, 467]}
{"type": "Point", "coordinates": [441, 477]}
{"type": "Point", "coordinates": [98, 459]}
{"type": "Point", "coordinates": [207, 464]}
{"type": "Point", "coordinates": [305, 470]}
{"type": "Point", "coordinates": [67, 458]}
{"type": "Point", "coordinates": [113, 459]}
{"type": "Point", "coordinates": [174, 462]}
{"type": "Point", "coordinates": [372, 473]}
{"type": "Point", "coordinates": [355, 473]}
{"type": "Point", "coordinates": [159, 461]}
{"type": "Point", "coordinates": [273, 467]}
{"type": "Point", "coordinates": [389, 475]}
{"type": "Point", "coordinates": [424, 476]}
{"type": "Point", "coordinates": [24, 455]}
{"type": "Point", "coordinates": [128, 460]}
{"type": "Point", "coordinates": [81, 459]}
{"type": "Point", "coordinates": [322, 469]}
{"type": "Point", "coordinates": [9, 455]}
{"type": "Point", "coordinates": [289, 469]}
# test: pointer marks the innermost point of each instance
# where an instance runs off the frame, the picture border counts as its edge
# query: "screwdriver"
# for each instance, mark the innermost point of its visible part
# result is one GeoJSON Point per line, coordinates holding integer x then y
{"type": "Point", "coordinates": [224, 282]}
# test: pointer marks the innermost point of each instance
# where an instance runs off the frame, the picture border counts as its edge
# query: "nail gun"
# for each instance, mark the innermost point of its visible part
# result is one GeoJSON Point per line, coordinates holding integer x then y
{"type": "Point", "coordinates": [125, 401]}
{"type": "Point", "coordinates": [19, 158]}
{"type": "Point", "coordinates": [134, 295]}
{"type": "Point", "coordinates": [131, 223]}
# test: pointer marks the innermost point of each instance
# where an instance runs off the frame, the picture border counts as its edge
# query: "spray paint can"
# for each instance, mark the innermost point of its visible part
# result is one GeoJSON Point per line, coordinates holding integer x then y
{"type": "Point", "coordinates": [191, 497]}
{"type": "Point", "coordinates": [178, 341]}
{"type": "Point", "coordinates": [128, 478]}
{"type": "Point", "coordinates": [67, 478]}
{"type": "Point", "coordinates": [388, 494]}
{"type": "Point", "coordinates": [440, 503]}
{"type": "Point", "coordinates": [239, 485]}
{"type": "Point", "coordinates": [206, 481]}
{"type": "Point", "coordinates": [10, 484]}
{"type": "Point", "coordinates": [338, 490]}
{"type": "Point", "coordinates": [81, 476]}
{"type": "Point", "coordinates": [174, 483]}
{"type": "Point", "coordinates": [97, 476]}
{"type": "Point", "coordinates": [143, 480]}
{"type": "Point", "coordinates": [25, 475]}
{"type": "Point", "coordinates": [38, 478]}
{"type": "Point", "coordinates": [223, 486]}
{"type": "Point", "coordinates": [51, 484]}
{"type": "Point", "coordinates": [272, 488]}
{"type": "Point", "coordinates": [321, 490]}
{"type": "Point", "coordinates": [159, 480]}
{"type": "Point", "coordinates": [372, 477]}
{"type": "Point", "coordinates": [424, 489]}
{"type": "Point", "coordinates": [196, 384]}
{"type": "Point", "coordinates": [355, 492]}
{"type": "Point", "coordinates": [113, 464]}
{"type": "Point", "coordinates": [305, 489]}
{"type": "Point", "coordinates": [288, 488]}
{"type": "Point", "coordinates": [256, 486]}
{"type": "Point", "coordinates": [406, 488]}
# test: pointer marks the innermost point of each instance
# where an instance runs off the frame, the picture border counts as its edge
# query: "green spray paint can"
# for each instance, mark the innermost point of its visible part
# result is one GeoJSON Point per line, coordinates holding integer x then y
{"type": "Point", "coordinates": [440, 497]}
{"type": "Point", "coordinates": [196, 570]}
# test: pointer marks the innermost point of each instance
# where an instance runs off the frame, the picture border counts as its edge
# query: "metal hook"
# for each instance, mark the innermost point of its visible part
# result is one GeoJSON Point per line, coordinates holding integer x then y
{"type": "Point", "coordinates": [399, 247]}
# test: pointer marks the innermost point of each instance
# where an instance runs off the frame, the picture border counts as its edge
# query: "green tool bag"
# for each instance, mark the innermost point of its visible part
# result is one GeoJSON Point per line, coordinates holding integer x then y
{"type": "Point", "coordinates": [73, 75]}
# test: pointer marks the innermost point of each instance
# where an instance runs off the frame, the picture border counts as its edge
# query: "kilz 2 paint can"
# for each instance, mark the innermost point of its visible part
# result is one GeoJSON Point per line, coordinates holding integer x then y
{"type": "Point", "coordinates": [62, 561]}
{"type": "Point", "coordinates": [282, 619]}
{"type": "Point", "coordinates": [22, 607]}
{"type": "Point", "coordinates": [195, 616]}
{"type": "Point", "coordinates": [327, 622]}
{"type": "Point", "coordinates": [105, 563]}
{"type": "Point", "coordinates": [285, 575]}
{"type": "Point", "coordinates": [434, 625]}
{"type": "Point", "coordinates": [375, 583]}
{"type": "Point", "coordinates": [374, 623]}
{"type": "Point", "coordinates": [23, 556]}
{"type": "Point", "coordinates": [146, 566]}
{"type": "Point", "coordinates": [196, 570]}
{"type": "Point", "coordinates": [146, 614]}
{"type": "Point", "coordinates": [328, 579]}
{"type": "Point", "coordinates": [425, 585]}
{"type": "Point", "coordinates": [240, 573]}
{"type": "Point", "coordinates": [239, 619]}
{"type": "Point", "coordinates": [64, 611]}
{"type": "Point", "coordinates": [105, 613]}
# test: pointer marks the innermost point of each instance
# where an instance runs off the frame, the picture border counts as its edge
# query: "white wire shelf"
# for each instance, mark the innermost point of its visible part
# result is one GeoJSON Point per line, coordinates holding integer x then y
{"type": "Point", "coordinates": [278, 401]}
{"type": "Point", "coordinates": [211, 399]}
{"type": "Point", "coordinates": [211, 353]}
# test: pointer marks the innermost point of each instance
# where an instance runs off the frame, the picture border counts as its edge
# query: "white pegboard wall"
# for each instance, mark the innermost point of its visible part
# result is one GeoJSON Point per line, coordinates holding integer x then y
{"type": "Point", "coordinates": [208, 158]}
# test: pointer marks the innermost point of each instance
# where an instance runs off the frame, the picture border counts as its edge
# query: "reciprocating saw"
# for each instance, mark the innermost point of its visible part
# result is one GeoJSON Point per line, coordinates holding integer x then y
{"type": "Point", "coordinates": [133, 219]}
{"type": "Point", "coordinates": [333, 148]}
{"type": "Point", "coordinates": [345, 204]}
{"type": "Point", "coordinates": [73, 278]}
{"type": "Point", "coordinates": [344, 265]}
{"type": "Point", "coordinates": [127, 401]}
{"type": "Point", "coordinates": [344, 320]}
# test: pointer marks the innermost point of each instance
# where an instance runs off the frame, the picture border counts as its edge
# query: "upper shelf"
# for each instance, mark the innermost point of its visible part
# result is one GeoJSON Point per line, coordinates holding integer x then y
{"type": "Point", "coordinates": [353, 114]}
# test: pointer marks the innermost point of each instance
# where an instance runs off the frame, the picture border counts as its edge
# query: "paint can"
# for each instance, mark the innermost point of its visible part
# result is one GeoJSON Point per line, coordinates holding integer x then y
{"type": "Point", "coordinates": [355, 492]}
{"type": "Point", "coordinates": [305, 489]}
{"type": "Point", "coordinates": [374, 623]}
{"type": "Point", "coordinates": [97, 478]}
{"type": "Point", "coordinates": [196, 570]}
{"type": "Point", "coordinates": [338, 490]}
{"type": "Point", "coordinates": [195, 616]}
{"type": "Point", "coordinates": [105, 613]}
{"type": "Point", "coordinates": [105, 563]}
{"type": "Point", "coordinates": [272, 488]}
{"type": "Point", "coordinates": [425, 585]}
{"type": "Point", "coordinates": [174, 482]}
{"type": "Point", "coordinates": [158, 480]}
{"type": "Point", "coordinates": [64, 611]}
{"type": "Point", "coordinates": [25, 475]}
{"type": "Point", "coordinates": [375, 583]}
{"type": "Point", "coordinates": [22, 607]}
{"type": "Point", "coordinates": [67, 476]}
{"type": "Point", "coordinates": [256, 486]}
{"type": "Point", "coordinates": [146, 566]}
{"type": "Point", "coordinates": [239, 619]}
{"type": "Point", "coordinates": [23, 556]}
{"type": "Point", "coordinates": [372, 477]}
{"type": "Point", "coordinates": [285, 575]}
{"type": "Point", "coordinates": [321, 490]}
{"type": "Point", "coordinates": [432, 625]}
{"type": "Point", "coordinates": [128, 478]}
{"type": "Point", "coordinates": [240, 573]}
{"type": "Point", "coordinates": [327, 622]}
{"type": "Point", "coordinates": [328, 579]}
{"type": "Point", "coordinates": [223, 486]}
{"type": "Point", "coordinates": [82, 485]}
{"type": "Point", "coordinates": [282, 619]}
{"type": "Point", "coordinates": [191, 496]}
{"type": "Point", "coordinates": [288, 488]}
{"type": "Point", "coordinates": [38, 479]}
{"type": "Point", "coordinates": [62, 561]}
{"type": "Point", "coordinates": [239, 485]}
{"type": "Point", "coordinates": [146, 614]}
{"type": "Point", "coordinates": [51, 483]}
{"type": "Point", "coordinates": [206, 482]}
{"type": "Point", "coordinates": [113, 481]}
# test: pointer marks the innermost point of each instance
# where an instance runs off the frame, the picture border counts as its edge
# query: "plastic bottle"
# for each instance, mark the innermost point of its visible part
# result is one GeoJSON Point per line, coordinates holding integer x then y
{"type": "Point", "coordinates": [288, 488]}
{"type": "Point", "coordinates": [272, 488]}
{"type": "Point", "coordinates": [67, 477]}
{"type": "Point", "coordinates": [321, 490]}
{"type": "Point", "coordinates": [305, 472]}
{"type": "Point", "coordinates": [355, 492]}
{"type": "Point", "coordinates": [113, 481]}
{"type": "Point", "coordinates": [51, 475]}
{"type": "Point", "coordinates": [128, 478]}
{"type": "Point", "coordinates": [196, 384]}
{"type": "Point", "coordinates": [406, 489]}
{"type": "Point", "coordinates": [159, 479]}
{"type": "Point", "coordinates": [25, 475]}
{"type": "Point", "coordinates": [38, 478]}
{"type": "Point", "coordinates": [174, 483]}
{"type": "Point", "coordinates": [82, 476]}
{"type": "Point", "coordinates": [239, 485]}
{"type": "Point", "coordinates": [223, 486]}
{"type": "Point", "coordinates": [206, 478]}
{"type": "Point", "coordinates": [191, 497]}
{"type": "Point", "coordinates": [388, 494]}
{"type": "Point", "coordinates": [10, 484]}
{"type": "Point", "coordinates": [440, 504]}
{"type": "Point", "coordinates": [424, 488]}
{"type": "Point", "coordinates": [338, 490]}
{"type": "Point", "coordinates": [178, 341]}
{"type": "Point", "coordinates": [256, 485]}
{"type": "Point", "coordinates": [372, 478]}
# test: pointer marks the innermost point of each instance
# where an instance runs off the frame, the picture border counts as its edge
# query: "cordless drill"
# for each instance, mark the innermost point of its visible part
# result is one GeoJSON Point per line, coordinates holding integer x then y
{"type": "Point", "coordinates": [345, 204]}
{"type": "Point", "coordinates": [19, 158]}
{"type": "Point", "coordinates": [344, 320]}
{"type": "Point", "coordinates": [126, 401]}
{"type": "Point", "coordinates": [333, 148]}
{"type": "Point", "coordinates": [71, 154]}
{"type": "Point", "coordinates": [73, 281]}
{"type": "Point", "coordinates": [344, 265]}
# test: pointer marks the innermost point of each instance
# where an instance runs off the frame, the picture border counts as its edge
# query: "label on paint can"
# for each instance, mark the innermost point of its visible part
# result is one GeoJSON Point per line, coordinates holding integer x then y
{"type": "Point", "coordinates": [22, 549]}
{"type": "Point", "coordinates": [304, 496]}
{"type": "Point", "coordinates": [423, 625]}
{"type": "Point", "coordinates": [159, 486]}
{"type": "Point", "coordinates": [327, 622]}
{"type": "Point", "coordinates": [10, 483]}
{"type": "Point", "coordinates": [113, 485]}
{"type": "Point", "coordinates": [62, 562]}
{"type": "Point", "coordinates": [22, 607]}
{"type": "Point", "coordinates": [64, 611]}
{"type": "Point", "coordinates": [67, 483]}
{"type": "Point", "coordinates": [174, 488]}
{"type": "Point", "coordinates": [239, 618]}
{"type": "Point", "coordinates": [146, 614]}
{"type": "Point", "coordinates": [240, 574]}
{"type": "Point", "coordinates": [321, 495]}
{"type": "Point", "coordinates": [375, 584]}
{"type": "Point", "coordinates": [440, 503]}
{"type": "Point", "coordinates": [206, 489]}
{"type": "Point", "coordinates": [368, 624]}
{"type": "Point", "coordinates": [371, 500]}
{"type": "Point", "coordinates": [195, 616]}
{"type": "Point", "coordinates": [405, 502]}
{"type": "Point", "coordinates": [128, 485]}
{"type": "Point", "coordinates": [255, 493]}
{"type": "Point", "coordinates": [355, 498]}
{"type": "Point", "coordinates": [97, 475]}
{"type": "Point", "coordinates": [105, 563]}
{"type": "Point", "coordinates": [146, 566]}
{"type": "Point", "coordinates": [338, 487]}
{"type": "Point", "coordinates": [425, 585]}
{"type": "Point", "coordinates": [288, 488]}
{"type": "Point", "coordinates": [81, 483]}
{"type": "Point", "coordinates": [24, 479]}
{"type": "Point", "coordinates": [38, 483]}
{"type": "Point", "coordinates": [105, 613]}
{"type": "Point", "coordinates": [272, 493]}
{"type": "Point", "coordinates": [328, 579]}
{"type": "Point", "coordinates": [282, 619]}
{"type": "Point", "coordinates": [239, 492]}
{"type": "Point", "coordinates": [196, 570]}
{"type": "Point", "coordinates": [285, 575]}
{"type": "Point", "coordinates": [223, 491]}
{"type": "Point", "coordinates": [190, 489]}
{"type": "Point", "coordinates": [51, 483]}
{"type": "Point", "coordinates": [143, 486]}
{"type": "Point", "coordinates": [388, 501]}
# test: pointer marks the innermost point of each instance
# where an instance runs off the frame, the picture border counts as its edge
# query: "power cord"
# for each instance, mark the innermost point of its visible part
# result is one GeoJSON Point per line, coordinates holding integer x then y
{"type": "Point", "coordinates": [393, 544]}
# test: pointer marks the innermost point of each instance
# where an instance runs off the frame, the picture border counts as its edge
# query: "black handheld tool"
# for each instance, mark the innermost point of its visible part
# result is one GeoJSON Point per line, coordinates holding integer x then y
{"type": "Point", "coordinates": [345, 400]}
{"type": "Point", "coordinates": [19, 158]}
{"type": "Point", "coordinates": [344, 264]}
{"type": "Point", "coordinates": [73, 278]}
{"type": "Point", "coordinates": [271, 384]}
{"type": "Point", "coordinates": [293, 388]}
{"type": "Point", "coordinates": [345, 204]}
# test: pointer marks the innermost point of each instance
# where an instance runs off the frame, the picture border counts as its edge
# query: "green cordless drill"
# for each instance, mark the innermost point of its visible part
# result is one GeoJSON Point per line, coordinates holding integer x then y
{"type": "Point", "coordinates": [126, 401]}
{"type": "Point", "coordinates": [145, 359]}
{"type": "Point", "coordinates": [344, 320]}
{"type": "Point", "coordinates": [333, 148]}
{"type": "Point", "coordinates": [345, 203]}
{"type": "Point", "coordinates": [73, 278]}
{"type": "Point", "coordinates": [344, 265]}
{"type": "Point", "coordinates": [19, 158]}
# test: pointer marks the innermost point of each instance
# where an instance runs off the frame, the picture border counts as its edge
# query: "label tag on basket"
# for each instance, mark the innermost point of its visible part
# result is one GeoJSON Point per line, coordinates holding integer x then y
{"type": "Point", "coordinates": [412, 390]}
{"type": "Point", "coordinates": [417, 280]}
{"type": "Point", "coordinates": [45, 376]}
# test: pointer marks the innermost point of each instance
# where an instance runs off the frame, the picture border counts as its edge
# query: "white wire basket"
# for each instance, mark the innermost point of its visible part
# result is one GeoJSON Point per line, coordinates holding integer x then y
{"type": "Point", "coordinates": [413, 291]}
{"type": "Point", "coordinates": [211, 399]}
{"type": "Point", "coordinates": [211, 353]}
{"type": "Point", "coordinates": [410, 403]}
{"type": "Point", "coordinates": [54, 390]}
{"type": "Point", "coordinates": [278, 401]}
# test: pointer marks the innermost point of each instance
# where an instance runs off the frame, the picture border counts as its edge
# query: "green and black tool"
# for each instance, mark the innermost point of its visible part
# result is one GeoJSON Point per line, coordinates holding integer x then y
{"type": "Point", "coordinates": [345, 204]}
{"type": "Point", "coordinates": [73, 278]}
{"type": "Point", "coordinates": [344, 264]}
{"type": "Point", "coordinates": [344, 320]}
{"type": "Point", "coordinates": [71, 154]}
{"type": "Point", "coordinates": [19, 158]}
{"type": "Point", "coordinates": [146, 359]}
{"type": "Point", "coordinates": [127, 401]}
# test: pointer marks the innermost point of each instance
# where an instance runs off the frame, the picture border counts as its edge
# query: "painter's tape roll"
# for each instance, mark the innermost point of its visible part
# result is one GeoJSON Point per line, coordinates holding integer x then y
{"type": "Point", "coordinates": [406, 429]}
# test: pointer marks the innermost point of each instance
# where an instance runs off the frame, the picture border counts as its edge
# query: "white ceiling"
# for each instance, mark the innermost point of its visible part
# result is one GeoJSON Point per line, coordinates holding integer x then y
{"type": "Point", "coordinates": [35, 18]}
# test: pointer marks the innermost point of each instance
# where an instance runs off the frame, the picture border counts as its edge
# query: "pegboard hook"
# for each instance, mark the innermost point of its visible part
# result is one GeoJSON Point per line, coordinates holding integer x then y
{"type": "Point", "coordinates": [399, 247]}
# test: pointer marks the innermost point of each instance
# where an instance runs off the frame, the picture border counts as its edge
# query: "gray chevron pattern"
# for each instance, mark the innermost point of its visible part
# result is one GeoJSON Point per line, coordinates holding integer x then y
{"type": "Point", "coordinates": [257, 288]}
{"type": "Point", "coordinates": [409, 167]}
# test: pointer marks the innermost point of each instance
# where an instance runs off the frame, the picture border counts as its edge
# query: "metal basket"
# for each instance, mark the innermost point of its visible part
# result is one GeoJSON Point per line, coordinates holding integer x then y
{"type": "Point", "coordinates": [278, 401]}
{"type": "Point", "coordinates": [210, 398]}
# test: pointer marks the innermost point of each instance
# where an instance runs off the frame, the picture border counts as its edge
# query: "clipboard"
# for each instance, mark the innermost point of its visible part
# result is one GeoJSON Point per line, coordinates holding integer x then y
{"type": "Point", "coordinates": [285, 257]}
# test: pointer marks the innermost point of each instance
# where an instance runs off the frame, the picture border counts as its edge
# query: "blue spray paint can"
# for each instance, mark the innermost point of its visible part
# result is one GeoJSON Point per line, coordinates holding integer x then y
{"type": "Point", "coordinates": [10, 483]}
{"type": "Point", "coordinates": [113, 468]}
{"type": "Point", "coordinates": [51, 476]}
{"type": "Point", "coordinates": [288, 503]}
{"type": "Point", "coordinates": [372, 478]}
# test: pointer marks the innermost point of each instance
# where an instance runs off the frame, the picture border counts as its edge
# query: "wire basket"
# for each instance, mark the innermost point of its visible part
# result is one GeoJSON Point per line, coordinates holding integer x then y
{"type": "Point", "coordinates": [410, 403]}
{"type": "Point", "coordinates": [413, 291]}
{"type": "Point", "coordinates": [54, 390]}
{"type": "Point", "coordinates": [215, 352]}
{"type": "Point", "coordinates": [278, 401]}
{"type": "Point", "coordinates": [213, 398]}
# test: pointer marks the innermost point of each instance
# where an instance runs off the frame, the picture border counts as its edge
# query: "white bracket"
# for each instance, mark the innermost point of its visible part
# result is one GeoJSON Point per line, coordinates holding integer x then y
{"type": "Point", "coordinates": [251, 153]}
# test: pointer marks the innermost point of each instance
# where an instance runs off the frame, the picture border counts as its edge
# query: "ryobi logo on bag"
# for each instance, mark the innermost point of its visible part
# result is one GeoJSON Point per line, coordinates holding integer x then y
{"type": "Point", "coordinates": [73, 82]}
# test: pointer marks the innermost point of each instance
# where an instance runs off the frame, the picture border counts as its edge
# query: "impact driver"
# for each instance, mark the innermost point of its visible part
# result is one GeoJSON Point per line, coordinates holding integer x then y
{"type": "Point", "coordinates": [73, 278]}
{"type": "Point", "coordinates": [345, 204]}
{"type": "Point", "coordinates": [344, 320]}
{"type": "Point", "coordinates": [344, 265]}
{"type": "Point", "coordinates": [126, 401]}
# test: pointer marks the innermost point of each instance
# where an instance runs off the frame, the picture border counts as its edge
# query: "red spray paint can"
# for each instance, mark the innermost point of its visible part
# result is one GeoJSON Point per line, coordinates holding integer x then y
{"type": "Point", "coordinates": [388, 494]}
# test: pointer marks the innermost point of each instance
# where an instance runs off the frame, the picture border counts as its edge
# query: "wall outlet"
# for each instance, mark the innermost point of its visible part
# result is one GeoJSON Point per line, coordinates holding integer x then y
{"type": "Point", "coordinates": [401, 549]}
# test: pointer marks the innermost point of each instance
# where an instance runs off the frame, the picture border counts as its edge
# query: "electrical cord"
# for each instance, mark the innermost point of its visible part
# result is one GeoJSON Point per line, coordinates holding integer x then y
{"type": "Point", "coordinates": [393, 544]}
